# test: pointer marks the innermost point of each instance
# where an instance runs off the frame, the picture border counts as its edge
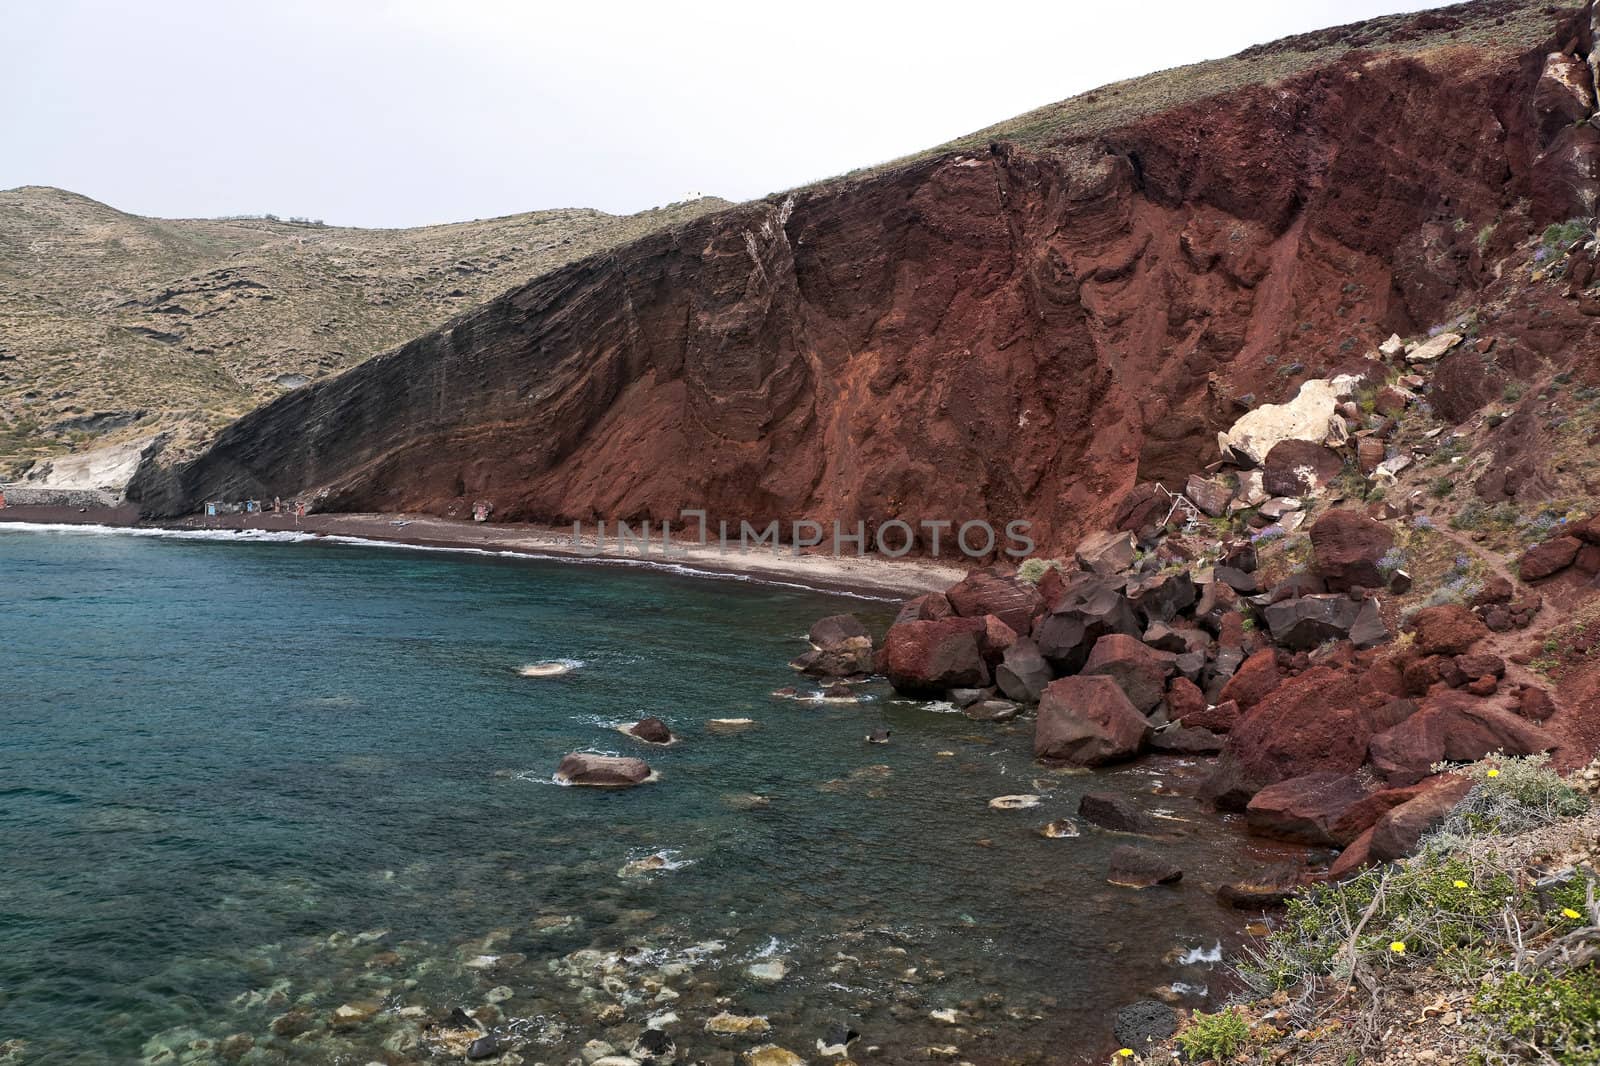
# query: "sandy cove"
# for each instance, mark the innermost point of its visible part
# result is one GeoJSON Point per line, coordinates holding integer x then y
{"type": "Point", "coordinates": [868, 575]}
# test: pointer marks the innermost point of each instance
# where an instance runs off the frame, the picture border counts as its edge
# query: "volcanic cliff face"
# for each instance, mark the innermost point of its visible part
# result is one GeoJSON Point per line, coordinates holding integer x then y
{"type": "Point", "coordinates": [1019, 331]}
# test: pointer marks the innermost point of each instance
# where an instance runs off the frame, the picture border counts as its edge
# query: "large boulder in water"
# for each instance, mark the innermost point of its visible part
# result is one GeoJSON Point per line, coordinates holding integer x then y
{"type": "Point", "coordinates": [1023, 673]}
{"type": "Point", "coordinates": [1087, 721]}
{"type": "Point", "coordinates": [651, 731]}
{"type": "Point", "coordinates": [836, 629]}
{"type": "Point", "coordinates": [1010, 599]}
{"type": "Point", "coordinates": [1139, 669]}
{"type": "Point", "coordinates": [602, 771]}
{"type": "Point", "coordinates": [1347, 547]}
{"type": "Point", "coordinates": [926, 658]}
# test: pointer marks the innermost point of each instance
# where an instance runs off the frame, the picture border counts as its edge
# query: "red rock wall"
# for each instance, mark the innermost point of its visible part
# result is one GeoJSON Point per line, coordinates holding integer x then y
{"type": "Point", "coordinates": [1010, 334]}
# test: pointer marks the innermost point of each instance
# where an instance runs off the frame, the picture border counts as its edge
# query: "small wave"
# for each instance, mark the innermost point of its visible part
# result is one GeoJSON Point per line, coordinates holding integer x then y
{"type": "Point", "coordinates": [772, 947]}
{"type": "Point", "coordinates": [644, 864]}
{"type": "Point", "coordinates": [537, 777]}
{"type": "Point", "coordinates": [1194, 956]}
{"type": "Point", "coordinates": [551, 668]}
{"type": "Point", "coordinates": [600, 721]}
{"type": "Point", "coordinates": [941, 707]}
{"type": "Point", "coordinates": [299, 536]}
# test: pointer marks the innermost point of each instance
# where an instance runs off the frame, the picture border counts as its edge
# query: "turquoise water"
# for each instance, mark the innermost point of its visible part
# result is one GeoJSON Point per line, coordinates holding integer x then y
{"type": "Point", "coordinates": [247, 781]}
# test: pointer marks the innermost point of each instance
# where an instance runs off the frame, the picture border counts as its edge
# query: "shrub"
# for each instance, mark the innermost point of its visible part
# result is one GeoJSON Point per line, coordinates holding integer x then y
{"type": "Point", "coordinates": [1032, 570]}
{"type": "Point", "coordinates": [1557, 1016]}
{"type": "Point", "coordinates": [1220, 1036]}
{"type": "Point", "coordinates": [1509, 795]}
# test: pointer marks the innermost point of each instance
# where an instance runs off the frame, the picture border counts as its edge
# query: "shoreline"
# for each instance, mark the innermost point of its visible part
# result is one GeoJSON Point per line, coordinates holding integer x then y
{"type": "Point", "coordinates": [865, 577]}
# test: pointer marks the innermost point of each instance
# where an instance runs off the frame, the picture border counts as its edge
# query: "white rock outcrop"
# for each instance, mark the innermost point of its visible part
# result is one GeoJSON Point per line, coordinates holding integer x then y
{"type": "Point", "coordinates": [1433, 348]}
{"type": "Point", "coordinates": [1312, 415]}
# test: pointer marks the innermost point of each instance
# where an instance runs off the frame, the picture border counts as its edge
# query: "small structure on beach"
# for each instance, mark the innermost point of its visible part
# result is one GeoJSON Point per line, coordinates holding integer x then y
{"type": "Point", "coordinates": [481, 510]}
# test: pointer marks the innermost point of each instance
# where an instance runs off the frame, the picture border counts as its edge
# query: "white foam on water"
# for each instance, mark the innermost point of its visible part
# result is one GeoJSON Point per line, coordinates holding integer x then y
{"type": "Point", "coordinates": [277, 536]}
{"type": "Point", "coordinates": [1202, 954]}
{"type": "Point", "coordinates": [772, 947]}
{"type": "Point", "coordinates": [537, 777]}
{"type": "Point", "coordinates": [941, 707]}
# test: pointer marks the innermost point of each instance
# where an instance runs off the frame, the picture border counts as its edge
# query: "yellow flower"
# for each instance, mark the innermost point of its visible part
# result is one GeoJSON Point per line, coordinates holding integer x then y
{"type": "Point", "coordinates": [1126, 1052]}
{"type": "Point", "coordinates": [1398, 947]}
{"type": "Point", "coordinates": [1568, 912]}
{"type": "Point", "coordinates": [1461, 884]}
{"type": "Point", "coordinates": [1493, 773]}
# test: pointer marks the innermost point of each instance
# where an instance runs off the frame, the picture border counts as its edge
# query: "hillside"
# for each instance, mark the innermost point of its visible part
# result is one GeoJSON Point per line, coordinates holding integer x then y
{"type": "Point", "coordinates": [1051, 318]}
{"type": "Point", "coordinates": [113, 325]}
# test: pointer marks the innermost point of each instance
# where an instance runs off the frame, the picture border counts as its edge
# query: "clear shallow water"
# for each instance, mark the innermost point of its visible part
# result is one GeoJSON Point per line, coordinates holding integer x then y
{"type": "Point", "coordinates": [245, 781]}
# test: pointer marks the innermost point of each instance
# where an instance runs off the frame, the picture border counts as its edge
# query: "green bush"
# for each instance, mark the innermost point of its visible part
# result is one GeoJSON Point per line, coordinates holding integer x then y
{"type": "Point", "coordinates": [1558, 1016]}
{"type": "Point", "coordinates": [1032, 570]}
{"type": "Point", "coordinates": [1220, 1036]}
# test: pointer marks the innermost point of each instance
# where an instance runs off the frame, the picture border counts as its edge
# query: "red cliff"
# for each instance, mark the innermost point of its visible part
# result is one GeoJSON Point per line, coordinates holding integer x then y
{"type": "Point", "coordinates": [1022, 327]}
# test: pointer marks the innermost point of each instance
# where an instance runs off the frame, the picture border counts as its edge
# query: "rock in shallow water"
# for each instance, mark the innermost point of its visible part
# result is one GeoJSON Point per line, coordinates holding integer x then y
{"type": "Point", "coordinates": [602, 771]}
{"type": "Point", "coordinates": [650, 730]}
{"type": "Point", "coordinates": [1140, 868]}
{"type": "Point", "coordinates": [726, 1024]}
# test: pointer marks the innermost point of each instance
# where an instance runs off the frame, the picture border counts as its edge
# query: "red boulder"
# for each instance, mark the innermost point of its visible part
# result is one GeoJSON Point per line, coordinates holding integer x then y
{"type": "Point", "coordinates": [1310, 723]}
{"type": "Point", "coordinates": [1256, 677]}
{"type": "Point", "coordinates": [1008, 598]}
{"type": "Point", "coordinates": [1087, 721]}
{"type": "Point", "coordinates": [1452, 726]}
{"type": "Point", "coordinates": [1542, 560]}
{"type": "Point", "coordinates": [1304, 809]}
{"type": "Point", "coordinates": [1347, 547]}
{"type": "Point", "coordinates": [1139, 669]}
{"type": "Point", "coordinates": [927, 658]}
{"type": "Point", "coordinates": [1450, 629]}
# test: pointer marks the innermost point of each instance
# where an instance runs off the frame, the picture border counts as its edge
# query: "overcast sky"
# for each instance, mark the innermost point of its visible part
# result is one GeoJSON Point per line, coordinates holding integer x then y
{"type": "Point", "coordinates": [406, 112]}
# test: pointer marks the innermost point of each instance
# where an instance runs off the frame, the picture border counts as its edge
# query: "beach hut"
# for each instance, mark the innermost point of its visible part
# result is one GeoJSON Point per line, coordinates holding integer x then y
{"type": "Point", "coordinates": [213, 508]}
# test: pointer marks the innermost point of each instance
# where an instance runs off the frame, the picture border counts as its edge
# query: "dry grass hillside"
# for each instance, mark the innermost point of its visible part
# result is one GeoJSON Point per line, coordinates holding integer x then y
{"type": "Point", "coordinates": [113, 325]}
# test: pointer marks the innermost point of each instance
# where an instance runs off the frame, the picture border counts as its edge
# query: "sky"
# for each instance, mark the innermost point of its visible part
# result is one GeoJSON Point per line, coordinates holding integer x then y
{"type": "Point", "coordinates": [410, 112]}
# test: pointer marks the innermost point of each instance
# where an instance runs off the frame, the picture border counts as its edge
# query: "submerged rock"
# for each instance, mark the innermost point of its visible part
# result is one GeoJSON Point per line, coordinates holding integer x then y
{"type": "Point", "coordinates": [771, 1055]}
{"type": "Point", "coordinates": [1060, 829]}
{"type": "Point", "coordinates": [837, 1040]}
{"type": "Point", "coordinates": [1013, 803]}
{"type": "Point", "coordinates": [1141, 868]}
{"type": "Point", "coordinates": [1115, 813]}
{"type": "Point", "coordinates": [726, 1024]}
{"type": "Point", "coordinates": [769, 972]}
